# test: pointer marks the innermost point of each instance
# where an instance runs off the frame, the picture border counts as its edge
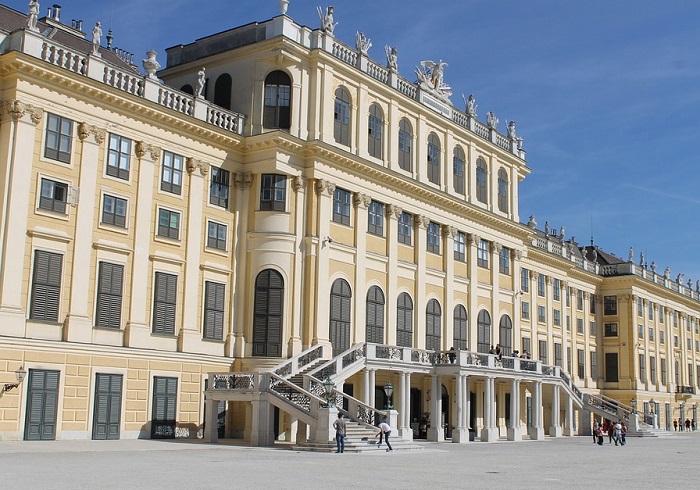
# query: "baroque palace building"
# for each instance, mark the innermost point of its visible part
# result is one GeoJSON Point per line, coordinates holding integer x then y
{"type": "Point", "coordinates": [275, 210]}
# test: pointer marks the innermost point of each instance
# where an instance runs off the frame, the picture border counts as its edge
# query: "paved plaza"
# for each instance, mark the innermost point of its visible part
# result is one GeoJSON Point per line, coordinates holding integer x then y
{"type": "Point", "coordinates": [574, 462]}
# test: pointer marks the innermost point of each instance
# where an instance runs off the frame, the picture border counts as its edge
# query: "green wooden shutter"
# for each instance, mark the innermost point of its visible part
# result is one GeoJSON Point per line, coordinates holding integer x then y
{"type": "Point", "coordinates": [109, 295]}
{"type": "Point", "coordinates": [46, 286]}
{"type": "Point", "coordinates": [164, 305]}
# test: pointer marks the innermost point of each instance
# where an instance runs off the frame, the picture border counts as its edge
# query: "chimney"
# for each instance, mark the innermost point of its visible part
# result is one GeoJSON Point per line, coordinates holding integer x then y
{"type": "Point", "coordinates": [79, 25]}
{"type": "Point", "coordinates": [56, 12]}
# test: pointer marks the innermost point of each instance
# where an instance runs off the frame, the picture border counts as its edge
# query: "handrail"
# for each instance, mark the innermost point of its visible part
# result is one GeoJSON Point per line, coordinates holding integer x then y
{"type": "Point", "coordinates": [293, 365]}
{"type": "Point", "coordinates": [357, 410]}
{"type": "Point", "coordinates": [299, 397]}
{"type": "Point", "coordinates": [338, 363]}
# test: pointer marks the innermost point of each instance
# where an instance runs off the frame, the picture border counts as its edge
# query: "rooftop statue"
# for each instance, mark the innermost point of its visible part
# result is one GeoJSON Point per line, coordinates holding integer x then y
{"type": "Point", "coordinates": [33, 15]}
{"type": "Point", "coordinates": [392, 58]}
{"type": "Point", "coordinates": [201, 80]}
{"type": "Point", "coordinates": [679, 279]}
{"type": "Point", "coordinates": [150, 64]}
{"type": "Point", "coordinates": [630, 257]}
{"type": "Point", "coordinates": [653, 266]}
{"type": "Point", "coordinates": [513, 136]}
{"type": "Point", "coordinates": [431, 77]}
{"type": "Point", "coordinates": [667, 273]}
{"type": "Point", "coordinates": [96, 36]}
{"type": "Point", "coordinates": [697, 286]}
{"type": "Point", "coordinates": [327, 24]}
{"type": "Point", "coordinates": [547, 228]}
{"type": "Point", "coordinates": [362, 43]}
{"type": "Point", "coordinates": [471, 106]}
{"type": "Point", "coordinates": [491, 120]}
{"type": "Point", "coordinates": [641, 259]}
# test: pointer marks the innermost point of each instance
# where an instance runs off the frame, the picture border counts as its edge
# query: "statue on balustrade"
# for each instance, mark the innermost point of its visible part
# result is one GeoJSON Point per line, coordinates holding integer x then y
{"type": "Point", "coordinates": [471, 106]}
{"type": "Point", "coordinates": [392, 58]}
{"type": "Point", "coordinates": [431, 77]}
{"type": "Point", "coordinates": [362, 43]}
{"type": "Point", "coordinates": [201, 80]}
{"type": "Point", "coordinates": [33, 15]}
{"type": "Point", "coordinates": [491, 120]}
{"type": "Point", "coordinates": [96, 37]}
{"type": "Point", "coordinates": [630, 257]}
{"type": "Point", "coordinates": [667, 273]}
{"type": "Point", "coordinates": [327, 24]}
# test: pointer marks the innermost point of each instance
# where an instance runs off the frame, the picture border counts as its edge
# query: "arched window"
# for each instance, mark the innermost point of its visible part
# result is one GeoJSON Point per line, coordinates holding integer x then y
{"type": "Point", "coordinates": [460, 327]}
{"type": "Point", "coordinates": [375, 315]}
{"type": "Point", "coordinates": [502, 191]}
{"type": "Point", "coordinates": [341, 125]}
{"type": "Point", "coordinates": [187, 88]}
{"type": "Point", "coordinates": [341, 296]}
{"type": "Point", "coordinates": [278, 99]}
{"type": "Point", "coordinates": [405, 145]}
{"type": "Point", "coordinates": [433, 325]}
{"type": "Point", "coordinates": [269, 304]}
{"type": "Point", "coordinates": [458, 170]}
{"type": "Point", "coordinates": [376, 123]}
{"type": "Point", "coordinates": [483, 332]}
{"type": "Point", "coordinates": [482, 193]}
{"type": "Point", "coordinates": [434, 159]}
{"type": "Point", "coordinates": [222, 91]}
{"type": "Point", "coordinates": [404, 321]}
{"type": "Point", "coordinates": [505, 337]}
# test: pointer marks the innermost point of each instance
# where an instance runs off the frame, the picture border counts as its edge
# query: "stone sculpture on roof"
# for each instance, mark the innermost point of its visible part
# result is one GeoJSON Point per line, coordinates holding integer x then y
{"type": "Point", "coordinates": [471, 106]}
{"type": "Point", "coordinates": [362, 43]}
{"type": "Point", "coordinates": [201, 80]}
{"type": "Point", "coordinates": [96, 37]}
{"type": "Point", "coordinates": [392, 58]}
{"type": "Point", "coordinates": [491, 120]}
{"type": "Point", "coordinates": [327, 24]}
{"type": "Point", "coordinates": [33, 15]}
{"type": "Point", "coordinates": [630, 256]}
{"type": "Point", "coordinates": [431, 78]}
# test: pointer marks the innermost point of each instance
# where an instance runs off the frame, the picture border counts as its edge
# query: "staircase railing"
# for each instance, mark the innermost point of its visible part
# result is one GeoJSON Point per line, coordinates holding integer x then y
{"type": "Point", "coordinates": [609, 407]}
{"type": "Point", "coordinates": [300, 398]}
{"type": "Point", "coordinates": [357, 410]}
{"type": "Point", "coordinates": [294, 365]}
{"type": "Point", "coordinates": [340, 362]}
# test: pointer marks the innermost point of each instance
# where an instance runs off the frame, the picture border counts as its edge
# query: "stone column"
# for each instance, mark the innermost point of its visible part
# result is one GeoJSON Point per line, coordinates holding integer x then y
{"type": "Point", "coordinates": [242, 182]}
{"type": "Point", "coordinates": [436, 432]}
{"type": "Point", "coordinates": [495, 249]}
{"type": "Point", "coordinates": [392, 229]}
{"type": "Point", "coordinates": [400, 398]}
{"type": "Point", "coordinates": [138, 332]}
{"type": "Point", "coordinates": [419, 296]}
{"type": "Point", "coordinates": [190, 336]}
{"type": "Point", "coordinates": [361, 202]}
{"type": "Point", "coordinates": [555, 429]}
{"type": "Point", "coordinates": [79, 322]}
{"type": "Point", "coordinates": [17, 140]}
{"type": "Point", "coordinates": [460, 434]}
{"type": "Point", "coordinates": [448, 233]}
{"type": "Point", "coordinates": [321, 333]}
{"type": "Point", "coordinates": [298, 303]}
{"type": "Point", "coordinates": [515, 432]}
{"type": "Point", "coordinates": [489, 433]}
{"type": "Point", "coordinates": [407, 432]}
{"type": "Point", "coordinates": [472, 291]}
{"type": "Point", "coordinates": [262, 433]}
{"type": "Point", "coordinates": [537, 431]}
{"type": "Point", "coordinates": [372, 385]}
{"type": "Point", "coordinates": [211, 415]}
{"type": "Point", "coordinates": [365, 386]}
{"type": "Point", "coordinates": [569, 422]}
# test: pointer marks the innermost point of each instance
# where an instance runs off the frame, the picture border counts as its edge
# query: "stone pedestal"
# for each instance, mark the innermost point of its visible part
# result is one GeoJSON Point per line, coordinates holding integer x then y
{"type": "Point", "coordinates": [460, 435]}
{"type": "Point", "coordinates": [489, 434]}
{"type": "Point", "coordinates": [555, 431]}
{"type": "Point", "coordinates": [537, 434]}
{"type": "Point", "coordinates": [436, 434]}
{"type": "Point", "coordinates": [515, 434]}
{"type": "Point", "coordinates": [324, 431]}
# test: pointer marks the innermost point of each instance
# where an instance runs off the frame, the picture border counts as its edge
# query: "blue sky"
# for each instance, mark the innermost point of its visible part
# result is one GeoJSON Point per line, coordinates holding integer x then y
{"type": "Point", "coordinates": [605, 93]}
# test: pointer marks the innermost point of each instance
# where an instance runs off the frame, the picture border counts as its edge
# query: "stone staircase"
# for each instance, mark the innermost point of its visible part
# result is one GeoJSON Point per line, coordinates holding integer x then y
{"type": "Point", "coordinates": [359, 439]}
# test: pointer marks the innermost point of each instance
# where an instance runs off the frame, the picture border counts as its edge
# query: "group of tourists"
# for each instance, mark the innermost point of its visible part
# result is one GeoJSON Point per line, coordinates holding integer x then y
{"type": "Point", "coordinates": [340, 426]}
{"type": "Point", "coordinates": [616, 431]}
{"type": "Point", "coordinates": [689, 425]}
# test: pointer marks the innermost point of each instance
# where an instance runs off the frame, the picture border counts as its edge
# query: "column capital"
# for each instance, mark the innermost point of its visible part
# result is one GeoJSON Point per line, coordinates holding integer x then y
{"type": "Point", "coordinates": [194, 164]}
{"type": "Point", "coordinates": [393, 211]}
{"type": "Point", "coordinates": [449, 231]}
{"type": "Point", "coordinates": [324, 186]}
{"type": "Point", "coordinates": [360, 200]}
{"type": "Point", "coordinates": [142, 148]}
{"type": "Point", "coordinates": [243, 180]}
{"type": "Point", "coordinates": [516, 254]}
{"type": "Point", "coordinates": [533, 274]}
{"type": "Point", "coordinates": [496, 247]}
{"type": "Point", "coordinates": [85, 130]}
{"type": "Point", "coordinates": [298, 183]}
{"type": "Point", "coordinates": [473, 239]}
{"type": "Point", "coordinates": [17, 109]}
{"type": "Point", "coordinates": [421, 221]}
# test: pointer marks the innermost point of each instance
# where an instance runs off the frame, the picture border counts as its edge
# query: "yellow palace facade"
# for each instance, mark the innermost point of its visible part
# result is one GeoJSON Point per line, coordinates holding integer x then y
{"type": "Point", "coordinates": [179, 247]}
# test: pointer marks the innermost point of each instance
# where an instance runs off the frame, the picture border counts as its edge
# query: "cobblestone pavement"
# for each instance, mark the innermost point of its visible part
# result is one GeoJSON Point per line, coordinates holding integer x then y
{"type": "Point", "coordinates": [554, 463]}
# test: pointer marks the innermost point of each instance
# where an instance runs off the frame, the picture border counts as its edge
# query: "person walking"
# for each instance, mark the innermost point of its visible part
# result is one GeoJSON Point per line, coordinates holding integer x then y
{"type": "Point", "coordinates": [623, 433]}
{"type": "Point", "coordinates": [687, 425]}
{"type": "Point", "coordinates": [599, 435]}
{"type": "Point", "coordinates": [617, 437]}
{"type": "Point", "coordinates": [675, 424]}
{"type": "Point", "coordinates": [386, 430]}
{"type": "Point", "coordinates": [339, 426]}
{"type": "Point", "coordinates": [596, 426]}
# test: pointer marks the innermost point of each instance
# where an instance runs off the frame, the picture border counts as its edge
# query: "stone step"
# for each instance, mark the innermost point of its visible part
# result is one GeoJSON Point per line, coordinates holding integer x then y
{"type": "Point", "coordinates": [352, 447]}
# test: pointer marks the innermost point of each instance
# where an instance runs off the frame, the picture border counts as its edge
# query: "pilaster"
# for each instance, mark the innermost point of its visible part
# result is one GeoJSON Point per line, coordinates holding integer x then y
{"type": "Point", "coordinates": [361, 202]}
{"type": "Point", "coordinates": [325, 190]}
{"type": "Point", "coordinates": [515, 432]}
{"type": "Point", "coordinates": [393, 213]}
{"type": "Point", "coordinates": [472, 290]}
{"type": "Point", "coordinates": [448, 233]}
{"type": "Point", "coordinates": [298, 304]}
{"type": "Point", "coordinates": [242, 183]}
{"type": "Point", "coordinates": [420, 257]}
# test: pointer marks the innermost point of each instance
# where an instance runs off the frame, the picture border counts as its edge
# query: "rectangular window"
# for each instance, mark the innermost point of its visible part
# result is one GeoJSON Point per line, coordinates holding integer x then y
{"type": "Point", "coordinates": [168, 224]}
{"type": "Point", "coordinates": [405, 228]}
{"type": "Point", "coordinates": [651, 310]}
{"type": "Point", "coordinates": [675, 341]}
{"type": "Point", "coordinates": [579, 325]}
{"type": "Point", "coordinates": [569, 360]}
{"type": "Point", "coordinates": [219, 187]}
{"type": "Point", "coordinates": [568, 323]}
{"type": "Point", "coordinates": [581, 354]}
{"type": "Point", "coordinates": [640, 332]}
{"type": "Point", "coordinates": [663, 371]}
{"type": "Point", "coordinates": [610, 305]}
{"type": "Point", "coordinates": [433, 237]}
{"type": "Point", "coordinates": [543, 351]}
{"type": "Point", "coordinates": [110, 281]}
{"type": "Point", "coordinates": [642, 368]}
{"type": "Point", "coordinates": [662, 337]}
{"type": "Point", "coordinates": [114, 211]}
{"type": "Point", "coordinates": [171, 178]}
{"type": "Point", "coordinates": [541, 314]}
{"type": "Point", "coordinates": [460, 247]}
{"type": "Point", "coordinates": [376, 218]}
{"type": "Point", "coordinates": [688, 344]}
{"type": "Point", "coordinates": [592, 327]}
{"type": "Point", "coordinates": [273, 192]}
{"type": "Point", "coordinates": [556, 291]}
{"type": "Point", "coordinates": [119, 157]}
{"type": "Point", "coordinates": [591, 307]}
{"type": "Point", "coordinates": [568, 296]}
{"type": "Point", "coordinates": [557, 354]}
{"type": "Point", "coordinates": [594, 366]}
{"type": "Point", "coordinates": [662, 313]}
{"type": "Point", "coordinates": [652, 368]}
{"type": "Point", "coordinates": [540, 285]}
{"type": "Point", "coordinates": [59, 136]}
{"type": "Point", "coordinates": [640, 307]}
{"type": "Point", "coordinates": [524, 280]}
{"type": "Point", "coordinates": [675, 319]}
{"type": "Point", "coordinates": [216, 236]}
{"type": "Point", "coordinates": [525, 310]}
{"type": "Point", "coordinates": [214, 310]}
{"type": "Point", "coordinates": [651, 334]}
{"type": "Point", "coordinates": [611, 374]}
{"type": "Point", "coordinates": [526, 345]}
{"type": "Point", "coordinates": [46, 286]}
{"type": "Point", "coordinates": [482, 254]}
{"type": "Point", "coordinates": [691, 372]}
{"type": "Point", "coordinates": [504, 261]}
{"type": "Point", "coordinates": [579, 300]}
{"type": "Point", "coordinates": [557, 317]}
{"type": "Point", "coordinates": [341, 206]}
{"type": "Point", "coordinates": [54, 196]}
{"type": "Point", "coordinates": [611, 330]}
{"type": "Point", "coordinates": [164, 303]}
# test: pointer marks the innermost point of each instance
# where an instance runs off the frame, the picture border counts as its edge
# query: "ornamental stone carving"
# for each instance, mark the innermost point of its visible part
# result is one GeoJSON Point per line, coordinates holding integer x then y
{"type": "Point", "coordinates": [422, 221]}
{"type": "Point", "coordinates": [17, 110]}
{"type": "Point", "coordinates": [361, 200]}
{"type": "Point", "coordinates": [142, 148]}
{"type": "Point", "coordinates": [496, 247]}
{"type": "Point", "coordinates": [449, 231]}
{"type": "Point", "coordinates": [194, 164]}
{"type": "Point", "coordinates": [474, 239]}
{"type": "Point", "coordinates": [85, 130]}
{"type": "Point", "coordinates": [298, 183]}
{"type": "Point", "coordinates": [393, 211]}
{"type": "Point", "coordinates": [323, 186]}
{"type": "Point", "coordinates": [243, 180]}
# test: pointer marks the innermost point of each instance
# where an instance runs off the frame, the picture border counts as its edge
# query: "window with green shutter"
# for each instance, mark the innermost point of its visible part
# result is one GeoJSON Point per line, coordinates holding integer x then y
{"type": "Point", "coordinates": [375, 315]}
{"type": "Point", "coordinates": [433, 325]}
{"type": "Point", "coordinates": [164, 408]}
{"type": "Point", "coordinates": [164, 303]}
{"type": "Point", "coordinates": [267, 324]}
{"type": "Point", "coordinates": [109, 295]}
{"type": "Point", "coordinates": [214, 310]}
{"type": "Point", "coordinates": [404, 321]}
{"type": "Point", "coordinates": [46, 286]}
